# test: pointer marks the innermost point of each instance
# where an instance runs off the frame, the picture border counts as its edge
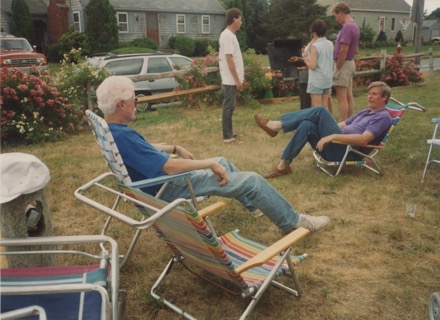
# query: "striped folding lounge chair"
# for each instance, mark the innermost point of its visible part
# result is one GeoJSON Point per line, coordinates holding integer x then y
{"type": "Point", "coordinates": [62, 292]}
{"type": "Point", "coordinates": [396, 110]}
{"type": "Point", "coordinates": [114, 161]}
{"type": "Point", "coordinates": [249, 266]}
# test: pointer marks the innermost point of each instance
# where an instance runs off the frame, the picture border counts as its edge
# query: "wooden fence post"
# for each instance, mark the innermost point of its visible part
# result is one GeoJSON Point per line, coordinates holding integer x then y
{"type": "Point", "coordinates": [383, 60]}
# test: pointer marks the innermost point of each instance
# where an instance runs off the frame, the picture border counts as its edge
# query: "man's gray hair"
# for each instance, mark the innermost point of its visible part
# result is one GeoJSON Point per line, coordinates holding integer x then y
{"type": "Point", "coordinates": [111, 91]}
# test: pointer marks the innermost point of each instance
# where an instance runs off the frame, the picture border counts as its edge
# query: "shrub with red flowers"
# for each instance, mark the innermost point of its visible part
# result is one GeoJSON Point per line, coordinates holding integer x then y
{"type": "Point", "coordinates": [400, 71]}
{"type": "Point", "coordinates": [197, 77]}
{"type": "Point", "coordinates": [281, 88]}
{"type": "Point", "coordinates": [32, 109]}
{"type": "Point", "coordinates": [364, 65]}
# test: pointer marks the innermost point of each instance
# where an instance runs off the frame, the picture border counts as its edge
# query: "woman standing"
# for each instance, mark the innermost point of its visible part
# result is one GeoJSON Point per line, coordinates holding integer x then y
{"type": "Point", "coordinates": [318, 56]}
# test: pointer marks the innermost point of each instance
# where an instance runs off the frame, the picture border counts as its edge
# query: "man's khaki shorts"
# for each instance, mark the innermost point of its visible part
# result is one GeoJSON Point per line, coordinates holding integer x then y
{"type": "Point", "coordinates": [344, 76]}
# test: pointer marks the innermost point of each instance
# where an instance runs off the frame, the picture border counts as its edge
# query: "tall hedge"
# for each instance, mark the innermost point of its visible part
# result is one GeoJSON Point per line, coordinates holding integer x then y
{"type": "Point", "coordinates": [21, 25]}
{"type": "Point", "coordinates": [102, 26]}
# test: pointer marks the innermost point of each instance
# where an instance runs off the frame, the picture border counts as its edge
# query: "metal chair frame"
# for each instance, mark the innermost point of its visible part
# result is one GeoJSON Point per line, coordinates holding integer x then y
{"type": "Point", "coordinates": [433, 142]}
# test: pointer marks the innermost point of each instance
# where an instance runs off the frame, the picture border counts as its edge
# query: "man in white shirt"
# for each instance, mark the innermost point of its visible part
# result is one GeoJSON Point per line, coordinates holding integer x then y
{"type": "Point", "coordinates": [231, 71]}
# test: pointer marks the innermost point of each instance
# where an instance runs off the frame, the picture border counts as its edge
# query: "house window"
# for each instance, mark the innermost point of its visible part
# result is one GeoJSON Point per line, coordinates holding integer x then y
{"type": "Point", "coordinates": [393, 24]}
{"type": "Point", "coordinates": [122, 22]}
{"type": "Point", "coordinates": [364, 22]}
{"type": "Point", "coordinates": [381, 24]}
{"type": "Point", "coordinates": [77, 21]}
{"type": "Point", "coordinates": [206, 24]}
{"type": "Point", "coordinates": [181, 23]}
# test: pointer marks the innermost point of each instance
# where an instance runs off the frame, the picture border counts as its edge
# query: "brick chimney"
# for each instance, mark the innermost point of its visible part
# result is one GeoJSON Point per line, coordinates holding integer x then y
{"type": "Point", "coordinates": [58, 19]}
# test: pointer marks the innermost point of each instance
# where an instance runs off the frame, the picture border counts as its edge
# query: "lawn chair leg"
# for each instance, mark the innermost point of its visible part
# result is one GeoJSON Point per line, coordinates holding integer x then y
{"type": "Point", "coordinates": [427, 163]}
{"type": "Point", "coordinates": [170, 305]}
{"type": "Point", "coordinates": [266, 283]}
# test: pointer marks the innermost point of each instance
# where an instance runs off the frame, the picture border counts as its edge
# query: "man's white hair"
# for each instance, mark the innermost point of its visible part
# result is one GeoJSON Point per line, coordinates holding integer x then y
{"type": "Point", "coordinates": [111, 91]}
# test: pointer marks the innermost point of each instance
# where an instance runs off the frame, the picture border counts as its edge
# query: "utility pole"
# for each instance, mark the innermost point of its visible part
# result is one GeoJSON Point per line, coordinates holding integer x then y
{"type": "Point", "coordinates": [417, 12]}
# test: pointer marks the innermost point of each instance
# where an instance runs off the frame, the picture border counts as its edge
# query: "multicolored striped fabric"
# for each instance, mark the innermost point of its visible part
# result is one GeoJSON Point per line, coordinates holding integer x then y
{"type": "Point", "coordinates": [108, 147]}
{"type": "Point", "coordinates": [68, 305]}
{"type": "Point", "coordinates": [241, 249]}
{"type": "Point", "coordinates": [188, 235]}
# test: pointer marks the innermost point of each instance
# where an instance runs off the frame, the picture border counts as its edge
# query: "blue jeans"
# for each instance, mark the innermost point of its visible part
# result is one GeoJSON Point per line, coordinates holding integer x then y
{"type": "Point", "coordinates": [249, 188]}
{"type": "Point", "coordinates": [229, 103]}
{"type": "Point", "coordinates": [311, 125]}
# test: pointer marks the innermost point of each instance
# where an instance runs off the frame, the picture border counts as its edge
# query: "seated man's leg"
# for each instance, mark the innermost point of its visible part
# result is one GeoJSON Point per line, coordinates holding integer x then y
{"type": "Point", "coordinates": [323, 119]}
{"type": "Point", "coordinates": [307, 131]}
{"type": "Point", "coordinates": [252, 191]}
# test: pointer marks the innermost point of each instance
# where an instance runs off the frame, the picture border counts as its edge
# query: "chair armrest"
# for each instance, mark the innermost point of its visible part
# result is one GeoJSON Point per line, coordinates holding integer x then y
{"type": "Point", "coordinates": [212, 209]}
{"type": "Point", "coordinates": [366, 146]}
{"type": "Point", "coordinates": [158, 180]}
{"type": "Point", "coordinates": [275, 249]}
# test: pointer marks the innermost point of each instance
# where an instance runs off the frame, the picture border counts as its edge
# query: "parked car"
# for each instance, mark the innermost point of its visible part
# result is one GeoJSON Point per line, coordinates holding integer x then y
{"type": "Point", "coordinates": [144, 64]}
{"type": "Point", "coordinates": [435, 40]}
{"type": "Point", "coordinates": [17, 53]}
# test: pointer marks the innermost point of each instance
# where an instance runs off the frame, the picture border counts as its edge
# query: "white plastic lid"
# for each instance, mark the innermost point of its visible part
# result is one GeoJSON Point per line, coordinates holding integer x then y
{"type": "Point", "coordinates": [21, 173]}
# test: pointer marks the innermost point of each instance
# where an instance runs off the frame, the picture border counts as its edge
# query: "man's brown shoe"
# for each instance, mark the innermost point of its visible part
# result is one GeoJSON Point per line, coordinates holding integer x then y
{"type": "Point", "coordinates": [262, 123]}
{"type": "Point", "coordinates": [275, 173]}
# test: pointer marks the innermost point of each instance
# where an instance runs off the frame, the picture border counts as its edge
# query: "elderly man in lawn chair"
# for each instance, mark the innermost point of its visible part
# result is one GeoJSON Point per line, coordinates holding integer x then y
{"type": "Point", "coordinates": [216, 176]}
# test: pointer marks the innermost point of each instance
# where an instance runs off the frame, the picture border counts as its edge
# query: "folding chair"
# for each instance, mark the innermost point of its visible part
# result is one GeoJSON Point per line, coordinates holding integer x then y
{"type": "Point", "coordinates": [249, 266]}
{"type": "Point", "coordinates": [433, 142]}
{"type": "Point", "coordinates": [25, 312]}
{"type": "Point", "coordinates": [116, 165]}
{"type": "Point", "coordinates": [396, 110]}
{"type": "Point", "coordinates": [62, 292]}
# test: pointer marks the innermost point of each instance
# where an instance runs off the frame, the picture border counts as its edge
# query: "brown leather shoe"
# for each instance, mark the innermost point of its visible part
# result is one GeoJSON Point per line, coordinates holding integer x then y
{"type": "Point", "coordinates": [262, 123]}
{"type": "Point", "coordinates": [275, 173]}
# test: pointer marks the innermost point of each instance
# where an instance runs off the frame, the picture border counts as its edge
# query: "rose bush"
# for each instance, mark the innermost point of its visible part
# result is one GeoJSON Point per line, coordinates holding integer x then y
{"type": "Point", "coordinates": [32, 109]}
{"type": "Point", "coordinates": [400, 72]}
{"type": "Point", "coordinates": [198, 76]}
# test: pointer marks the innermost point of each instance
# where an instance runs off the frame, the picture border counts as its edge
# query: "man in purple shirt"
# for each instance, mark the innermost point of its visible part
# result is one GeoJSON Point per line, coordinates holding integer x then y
{"type": "Point", "coordinates": [317, 127]}
{"type": "Point", "coordinates": [346, 47]}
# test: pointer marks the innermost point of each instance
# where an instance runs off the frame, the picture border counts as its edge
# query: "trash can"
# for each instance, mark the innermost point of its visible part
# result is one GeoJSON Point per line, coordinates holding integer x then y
{"type": "Point", "coordinates": [279, 52]}
{"type": "Point", "coordinates": [23, 205]}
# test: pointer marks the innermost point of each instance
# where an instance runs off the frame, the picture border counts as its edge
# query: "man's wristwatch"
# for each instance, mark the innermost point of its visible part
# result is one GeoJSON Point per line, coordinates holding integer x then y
{"type": "Point", "coordinates": [174, 150]}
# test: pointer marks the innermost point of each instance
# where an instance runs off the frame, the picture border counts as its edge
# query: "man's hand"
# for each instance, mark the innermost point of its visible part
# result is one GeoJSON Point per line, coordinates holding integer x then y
{"type": "Point", "coordinates": [323, 142]}
{"type": "Point", "coordinates": [221, 174]}
{"type": "Point", "coordinates": [185, 154]}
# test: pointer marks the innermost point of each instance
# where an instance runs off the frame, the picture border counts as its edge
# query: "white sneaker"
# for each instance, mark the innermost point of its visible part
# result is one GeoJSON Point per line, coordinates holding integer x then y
{"type": "Point", "coordinates": [313, 223]}
{"type": "Point", "coordinates": [256, 213]}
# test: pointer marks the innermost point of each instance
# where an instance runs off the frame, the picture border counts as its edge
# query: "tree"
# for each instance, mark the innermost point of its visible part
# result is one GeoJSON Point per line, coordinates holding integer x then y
{"type": "Point", "coordinates": [21, 20]}
{"type": "Point", "coordinates": [256, 12]}
{"type": "Point", "coordinates": [102, 26]}
{"type": "Point", "coordinates": [292, 18]}
{"type": "Point", "coordinates": [434, 15]}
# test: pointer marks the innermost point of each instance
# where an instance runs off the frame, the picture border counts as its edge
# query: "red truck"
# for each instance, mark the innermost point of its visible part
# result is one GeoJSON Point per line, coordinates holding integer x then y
{"type": "Point", "coordinates": [18, 53]}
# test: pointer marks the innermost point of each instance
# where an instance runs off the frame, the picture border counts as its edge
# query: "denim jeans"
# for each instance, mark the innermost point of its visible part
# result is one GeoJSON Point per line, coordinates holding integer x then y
{"type": "Point", "coordinates": [249, 188]}
{"type": "Point", "coordinates": [311, 125]}
{"type": "Point", "coordinates": [229, 102]}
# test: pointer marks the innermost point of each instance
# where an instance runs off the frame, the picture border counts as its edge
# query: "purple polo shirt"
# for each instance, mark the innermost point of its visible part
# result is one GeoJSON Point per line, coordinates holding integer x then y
{"type": "Point", "coordinates": [377, 123]}
{"type": "Point", "coordinates": [349, 34]}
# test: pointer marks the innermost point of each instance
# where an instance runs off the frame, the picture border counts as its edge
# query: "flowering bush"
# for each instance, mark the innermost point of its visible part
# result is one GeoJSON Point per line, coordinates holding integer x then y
{"type": "Point", "coordinates": [256, 83]}
{"type": "Point", "coordinates": [400, 72]}
{"type": "Point", "coordinates": [32, 109]}
{"type": "Point", "coordinates": [280, 88]}
{"type": "Point", "coordinates": [364, 65]}
{"type": "Point", "coordinates": [197, 77]}
{"type": "Point", "coordinates": [77, 76]}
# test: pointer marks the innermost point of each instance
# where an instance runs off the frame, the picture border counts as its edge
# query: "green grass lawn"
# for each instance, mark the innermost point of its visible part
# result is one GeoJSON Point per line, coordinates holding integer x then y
{"type": "Point", "coordinates": [372, 262]}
